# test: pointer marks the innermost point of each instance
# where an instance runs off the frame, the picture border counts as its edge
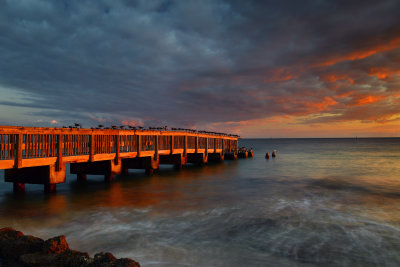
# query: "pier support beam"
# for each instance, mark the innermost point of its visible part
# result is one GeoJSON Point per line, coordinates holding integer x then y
{"type": "Point", "coordinates": [178, 160]}
{"type": "Point", "coordinates": [147, 163]}
{"type": "Point", "coordinates": [108, 168]}
{"type": "Point", "coordinates": [48, 175]}
{"type": "Point", "coordinates": [216, 157]}
{"type": "Point", "coordinates": [231, 156]}
{"type": "Point", "coordinates": [198, 158]}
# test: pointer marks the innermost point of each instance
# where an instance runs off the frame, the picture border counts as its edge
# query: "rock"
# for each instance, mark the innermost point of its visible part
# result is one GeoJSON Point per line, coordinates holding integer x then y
{"type": "Point", "coordinates": [38, 259]}
{"type": "Point", "coordinates": [68, 258]}
{"type": "Point", "coordinates": [103, 259]}
{"type": "Point", "coordinates": [76, 253]}
{"type": "Point", "coordinates": [9, 233]}
{"type": "Point", "coordinates": [56, 245]}
{"type": "Point", "coordinates": [125, 262]}
{"type": "Point", "coordinates": [14, 243]}
{"type": "Point", "coordinates": [108, 259]}
{"type": "Point", "coordinates": [78, 258]}
{"type": "Point", "coordinates": [17, 249]}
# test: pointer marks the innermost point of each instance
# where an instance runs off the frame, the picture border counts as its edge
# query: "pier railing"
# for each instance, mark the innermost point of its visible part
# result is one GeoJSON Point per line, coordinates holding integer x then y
{"type": "Point", "coordinates": [32, 146]}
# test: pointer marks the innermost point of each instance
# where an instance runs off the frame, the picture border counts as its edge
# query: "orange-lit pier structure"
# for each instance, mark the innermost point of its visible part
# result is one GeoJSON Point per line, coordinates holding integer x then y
{"type": "Point", "coordinates": [32, 155]}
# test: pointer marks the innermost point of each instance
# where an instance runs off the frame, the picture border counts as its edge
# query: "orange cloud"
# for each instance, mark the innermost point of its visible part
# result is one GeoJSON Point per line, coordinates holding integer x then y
{"type": "Point", "coordinates": [131, 123]}
{"type": "Point", "coordinates": [303, 106]}
{"type": "Point", "coordinates": [323, 105]}
{"type": "Point", "coordinates": [280, 75]}
{"type": "Point", "coordinates": [278, 119]}
{"type": "Point", "coordinates": [381, 76]}
{"type": "Point", "coordinates": [346, 94]}
{"type": "Point", "coordinates": [382, 73]}
{"type": "Point", "coordinates": [359, 99]}
{"type": "Point", "coordinates": [366, 100]}
{"type": "Point", "coordinates": [362, 53]}
{"type": "Point", "coordinates": [335, 77]}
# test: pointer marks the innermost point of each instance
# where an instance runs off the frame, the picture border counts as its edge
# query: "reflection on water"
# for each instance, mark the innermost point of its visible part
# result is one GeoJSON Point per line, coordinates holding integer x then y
{"type": "Point", "coordinates": [321, 201]}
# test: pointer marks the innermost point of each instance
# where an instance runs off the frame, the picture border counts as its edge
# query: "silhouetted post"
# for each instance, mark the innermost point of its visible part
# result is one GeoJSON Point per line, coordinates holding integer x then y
{"type": "Point", "coordinates": [139, 144]}
{"type": "Point", "coordinates": [185, 147]}
{"type": "Point", "coordinates": [59, 152]}
{"type": "Point", "coordinates": [18, 150]}
{"type": "Point", "coordinates": [206, 152]}
{"type": "Point", "coordinates": [156, 147]}
{"type": "Point", "coordinates": [117, 148]}
{"type": "Point", "coordinates": [149, 171]}
{"type": "Point", "coordinates": [171, 141]}
{"type": "Point", "coordinates": [18, 188]}
{"type": "Point", "coordinates": [50, 188]}
{"type": "Point", "coordinates": [91, 147]}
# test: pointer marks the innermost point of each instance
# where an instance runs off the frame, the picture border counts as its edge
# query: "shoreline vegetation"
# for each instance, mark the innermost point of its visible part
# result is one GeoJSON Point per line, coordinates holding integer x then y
{"type": "Point", "coordinates": [17, 249]}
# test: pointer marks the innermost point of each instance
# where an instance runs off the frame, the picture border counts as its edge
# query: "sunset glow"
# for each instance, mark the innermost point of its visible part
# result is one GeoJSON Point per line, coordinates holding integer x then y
{"type": "Point", "coordinates": [218, 65]}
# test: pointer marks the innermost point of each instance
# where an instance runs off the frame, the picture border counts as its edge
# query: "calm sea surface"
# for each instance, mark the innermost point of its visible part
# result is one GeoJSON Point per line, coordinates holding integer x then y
{"type": "Point", "coordinates": [331, 202]}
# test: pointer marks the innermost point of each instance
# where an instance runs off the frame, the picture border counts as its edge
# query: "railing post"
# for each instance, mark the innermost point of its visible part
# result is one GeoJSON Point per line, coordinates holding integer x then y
{"type": "Point", "coordinates": [223, 146]}
{"type": "Point", "coordinates": [139, 144]}
{"type": "Point", "coordinates": [185, 146]}
{"type": "Point", "coordinates": [206, 152]}
{"type": "Point", "coordinates": [156, 147]}
{"type": "Point", "coordinates": [237, 146]}
{"type": "Point", "coordinates": [59, 152]}
{"type": "Point", "coordinates": [91, 147]}
{"type": "Point", "coordinates": [171, 140]}
{"type": "Point", "coordinates": [117, 147]}
{"type": "Point", "coordinates": [18, 151]}
{"type": "Point", "coordinates": [215, 145]}
{"type": "Point", "coordinates": [196, 144]}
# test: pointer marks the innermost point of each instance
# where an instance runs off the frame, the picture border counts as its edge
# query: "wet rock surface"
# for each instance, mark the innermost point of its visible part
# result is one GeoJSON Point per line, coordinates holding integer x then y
{"type": "Point", "coordinates": [17, 249]}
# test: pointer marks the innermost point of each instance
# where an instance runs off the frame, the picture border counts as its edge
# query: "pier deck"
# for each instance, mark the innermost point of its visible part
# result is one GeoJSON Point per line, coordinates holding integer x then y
{"type": "Point", "coordinates": [39, 155]}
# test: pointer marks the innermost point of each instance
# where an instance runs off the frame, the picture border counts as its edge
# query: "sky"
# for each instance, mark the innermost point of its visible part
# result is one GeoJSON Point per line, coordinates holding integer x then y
{"type": "Point", "coordinates": [311, 68]}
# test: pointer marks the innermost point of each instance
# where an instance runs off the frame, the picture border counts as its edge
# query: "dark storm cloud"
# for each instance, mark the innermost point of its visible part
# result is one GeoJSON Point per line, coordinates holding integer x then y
{"type": "Point", "coordinates": [189, 62]}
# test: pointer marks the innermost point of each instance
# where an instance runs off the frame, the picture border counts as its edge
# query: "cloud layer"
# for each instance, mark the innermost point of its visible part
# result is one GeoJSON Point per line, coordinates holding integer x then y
{"type": "Point", "coordinates": [230, 65]}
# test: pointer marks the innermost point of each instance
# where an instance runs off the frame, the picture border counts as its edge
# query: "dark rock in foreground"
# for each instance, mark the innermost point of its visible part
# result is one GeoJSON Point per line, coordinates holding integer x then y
{"type": "Point", "coordinates": [17, 249]}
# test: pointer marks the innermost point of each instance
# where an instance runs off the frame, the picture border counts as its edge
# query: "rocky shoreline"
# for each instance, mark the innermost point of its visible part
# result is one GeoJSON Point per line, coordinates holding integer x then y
{"type": "Point", "coordinates": [17, 249]}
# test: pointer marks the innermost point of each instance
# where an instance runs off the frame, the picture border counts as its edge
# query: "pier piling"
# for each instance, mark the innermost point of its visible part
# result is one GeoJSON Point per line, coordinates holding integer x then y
{"type": "Point", "coordinates": [18, 188]}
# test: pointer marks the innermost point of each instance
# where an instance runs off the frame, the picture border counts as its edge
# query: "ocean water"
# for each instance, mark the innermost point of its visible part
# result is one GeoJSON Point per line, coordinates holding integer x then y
{"type": "Point", "coordinates": [330, 202]}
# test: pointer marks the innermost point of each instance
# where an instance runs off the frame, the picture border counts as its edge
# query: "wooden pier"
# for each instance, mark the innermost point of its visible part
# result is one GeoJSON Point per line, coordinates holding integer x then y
{"type": "Point", "coordinates": [32, 155]}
